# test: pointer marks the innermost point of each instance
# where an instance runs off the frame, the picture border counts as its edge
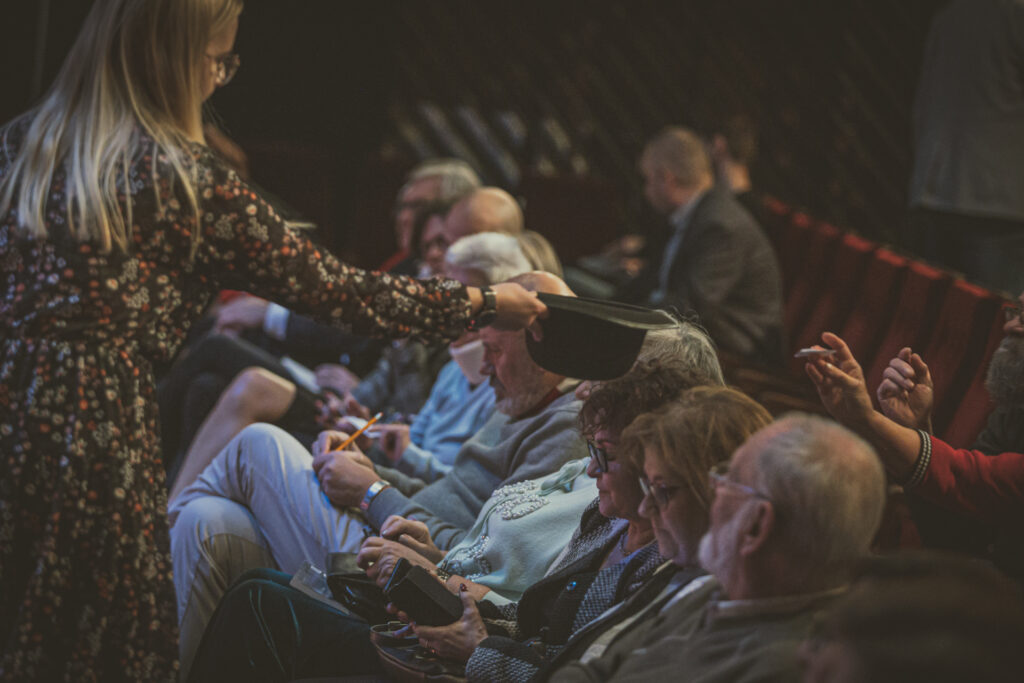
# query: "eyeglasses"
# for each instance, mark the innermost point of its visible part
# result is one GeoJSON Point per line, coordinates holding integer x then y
{"type": "Point", "coordinates": [600, 457]}
{"type": "Point", "coordinates": [227, 66]}
{"type": "Point", "coordinates": [718, 476]}
{"type": "Point", "coordinates": [661, 494]}
{"type": "Point", "coordinates": [1014, 312]}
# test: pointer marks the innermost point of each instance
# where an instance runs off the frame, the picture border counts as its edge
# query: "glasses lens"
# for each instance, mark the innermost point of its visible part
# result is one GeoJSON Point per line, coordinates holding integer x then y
{"type": "Point", "coordinates": [1013, 312]}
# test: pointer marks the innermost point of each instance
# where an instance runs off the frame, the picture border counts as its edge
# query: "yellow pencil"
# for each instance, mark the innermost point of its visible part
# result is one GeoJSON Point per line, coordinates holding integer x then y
{"type": "Point", "coordinates": [349, 440]}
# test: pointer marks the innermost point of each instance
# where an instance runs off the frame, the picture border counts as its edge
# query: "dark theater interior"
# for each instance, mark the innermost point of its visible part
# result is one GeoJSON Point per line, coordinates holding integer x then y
{"type": "Point", "coordinates": [480, 341]}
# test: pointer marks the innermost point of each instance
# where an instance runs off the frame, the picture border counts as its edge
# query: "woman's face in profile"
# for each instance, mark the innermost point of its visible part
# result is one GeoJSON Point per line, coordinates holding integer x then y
{"type": "Point", "coordinates": [219, 46]}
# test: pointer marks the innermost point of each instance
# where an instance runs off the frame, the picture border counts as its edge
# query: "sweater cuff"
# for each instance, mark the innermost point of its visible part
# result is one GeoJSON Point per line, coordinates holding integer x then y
{"type": "Point", "coordinates": [275, 321]}
{"type": "Point", "coordinates": [385, 504]}
{"type": "Point", "coordinates": [924, 459]}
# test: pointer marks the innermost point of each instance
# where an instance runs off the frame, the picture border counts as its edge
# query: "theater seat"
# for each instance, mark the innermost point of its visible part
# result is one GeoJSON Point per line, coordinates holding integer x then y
{"type": "Point", "coordinates": [973, 410]}
{"type": "Point", "coordinates": [956, 347]}
{"type": "Point", "coordinates": [822, 242]}
{"type": "Point", "coordinates": [874, 304]}
{"type": "Point", "coordinates": [912, 320]}
{"type": "Point", "coordinates": [840, 287]}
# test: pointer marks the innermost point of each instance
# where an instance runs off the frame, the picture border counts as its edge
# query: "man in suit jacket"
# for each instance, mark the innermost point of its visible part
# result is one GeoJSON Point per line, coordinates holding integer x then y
{"type": "Point", "coordinates": [717, 262]}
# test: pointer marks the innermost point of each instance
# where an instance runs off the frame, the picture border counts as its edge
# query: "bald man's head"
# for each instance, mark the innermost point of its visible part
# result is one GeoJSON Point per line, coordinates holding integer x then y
{"type": "Point", "coordinates": [488, 209]}
{"type": "Point", "coordinates": [544, 282]}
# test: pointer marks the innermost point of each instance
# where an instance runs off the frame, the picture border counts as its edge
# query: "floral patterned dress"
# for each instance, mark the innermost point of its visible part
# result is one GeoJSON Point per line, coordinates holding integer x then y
{"type": "Point", "coordinates": [85, 570]}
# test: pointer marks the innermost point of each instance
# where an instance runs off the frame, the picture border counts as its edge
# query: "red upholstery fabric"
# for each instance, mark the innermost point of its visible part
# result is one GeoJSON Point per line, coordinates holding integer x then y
{"type": "Point", "coordinates": [970, 415]}
{"type": "Point", "coordinates": [913, 319]}
{"type": "Point", "coordinates": [873, 306]}
{"type": "Point", "coordinates": [954, 352]}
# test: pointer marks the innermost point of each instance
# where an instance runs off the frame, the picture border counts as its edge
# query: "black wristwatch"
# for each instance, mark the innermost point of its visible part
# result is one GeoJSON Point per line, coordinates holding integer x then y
{"type": "Point", "coordinates": [488, 312]}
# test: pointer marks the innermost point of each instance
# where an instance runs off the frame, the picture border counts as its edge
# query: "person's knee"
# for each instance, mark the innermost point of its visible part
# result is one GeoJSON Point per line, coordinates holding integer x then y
{"type": "Point", "coordinates": [267, 447]}
{"type": "Point", "coordinates": [259, 394]}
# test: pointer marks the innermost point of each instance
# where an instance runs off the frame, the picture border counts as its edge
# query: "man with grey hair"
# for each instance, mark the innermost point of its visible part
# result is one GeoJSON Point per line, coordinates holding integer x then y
{"type": "Point", "coordinates": [717, 262]}
{"type": "Point", "coordinates": [799, 504]}
{"type": "Point", "coordinates": [434, 180]}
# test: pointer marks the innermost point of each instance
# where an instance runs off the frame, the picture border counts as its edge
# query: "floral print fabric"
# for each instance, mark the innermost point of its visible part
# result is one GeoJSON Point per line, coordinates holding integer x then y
{"type": "Point", "coordinates": [85, 571]}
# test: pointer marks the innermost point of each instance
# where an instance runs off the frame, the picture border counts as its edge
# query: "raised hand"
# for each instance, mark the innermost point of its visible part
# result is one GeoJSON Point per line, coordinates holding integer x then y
{"type": "Point", "coordinates": [906, 392]}
{"type": "Point", "coordinates": [840, 383]}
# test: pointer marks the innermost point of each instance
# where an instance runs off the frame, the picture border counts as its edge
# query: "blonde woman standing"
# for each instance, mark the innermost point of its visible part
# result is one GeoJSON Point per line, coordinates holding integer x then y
{"type": "Point", "coordinates": [117, 224]}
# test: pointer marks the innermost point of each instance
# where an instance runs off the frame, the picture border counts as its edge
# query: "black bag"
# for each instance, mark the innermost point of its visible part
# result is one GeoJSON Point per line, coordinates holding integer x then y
{"type": "Point", "coordinates": [354, 589]}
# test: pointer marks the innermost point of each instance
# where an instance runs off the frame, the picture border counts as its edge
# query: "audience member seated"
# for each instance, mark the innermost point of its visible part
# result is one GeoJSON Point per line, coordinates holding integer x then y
{"type": "Point", "coordinates": [434, 180]}
{"type": "Point", "coordinates": [920, 617]}
{"type": "Point", "coordinates": [797, 506]}
{"type": "Point", "coordinates": [732, 146]}
{"type": "Point", "coordinates": [514, 552]}
{"type": "Point", "coordinates": [905, 396]}
{"type": "Point", "coordinates": [990, 488]}
{"type": "Point", "coordinates": [263, 502]}
{"type": "Point", "coordinates": [686, 437]}
{"type": "Point", "coordinates": [717, 261]}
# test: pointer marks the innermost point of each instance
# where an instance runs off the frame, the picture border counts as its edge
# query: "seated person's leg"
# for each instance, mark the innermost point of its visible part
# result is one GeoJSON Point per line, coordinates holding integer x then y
{"type": "Point", "coordinates": [214, 542]}
{"type": "Point", "coordinates": [271, 474]}
{"type": "Point", "coordinates": [265, 630]}
{"type": "Point", "coordinates": [255, 395]}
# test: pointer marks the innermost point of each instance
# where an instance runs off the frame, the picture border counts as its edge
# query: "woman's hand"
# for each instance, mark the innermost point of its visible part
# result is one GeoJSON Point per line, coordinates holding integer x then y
{"type": "Point", "coordinates": [412, 534]}
{"type": "Point", "coordinates": [840, 383]}
{"type": "Point", "coordinates": [378, 558]}
{"type": "Point", "coordinates": [517, 307]}
{"type": "Point", "coordinates": [905, 394]}
{"type": "Point", "coordinates": [458, 640]}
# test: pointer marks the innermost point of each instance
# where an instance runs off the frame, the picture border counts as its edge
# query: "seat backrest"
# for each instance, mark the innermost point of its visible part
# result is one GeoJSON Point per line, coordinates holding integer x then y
{"type": "Point", "coordinates": [822, 242]}
{"type": "Point", "coordinates": [874, 304]}
{"type": "Point", "coordinates": [973, 410]}
{"type": "Point", "coordinates": [913, 318]}
{"type": "Point", "coordinates": [840, 288]}
{"type": "Point", "coordinates": [954, 352]}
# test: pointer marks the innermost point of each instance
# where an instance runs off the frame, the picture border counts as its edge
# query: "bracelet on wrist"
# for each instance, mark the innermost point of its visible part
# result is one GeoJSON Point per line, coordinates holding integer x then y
{"type": "Point", "coordinates": [372, 492]}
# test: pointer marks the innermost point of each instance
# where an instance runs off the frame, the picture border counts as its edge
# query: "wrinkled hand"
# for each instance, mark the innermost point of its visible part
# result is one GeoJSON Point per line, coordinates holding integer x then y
{"type": "Point", "coordinates": [393, 439]}
{"type": "Point", "coordinates": [245, 312]}
{"type": "Point", "coordinates": [412, 534]}
{"type": "Point", "coordinates": [840, 383]}
{"type": "Point", "coordinates": [344, 475]}
{"type": "Point", "coordinates": [906, 392]}
{"type": "Point", "coordinates": [458, 640]}
{"type": "Point", "coordinates": [336, 377]}
{"type": "Point", "coordinates": [378, 557]}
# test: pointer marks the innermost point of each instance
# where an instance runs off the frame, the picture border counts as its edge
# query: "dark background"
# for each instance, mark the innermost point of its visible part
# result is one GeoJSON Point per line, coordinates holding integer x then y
{"type": "Point", "coordinates": [335, 100]}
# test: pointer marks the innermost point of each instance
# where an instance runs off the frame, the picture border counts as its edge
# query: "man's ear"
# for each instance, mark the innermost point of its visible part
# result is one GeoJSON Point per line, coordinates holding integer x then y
{"type": "Point", "coordinates": [759, 528]}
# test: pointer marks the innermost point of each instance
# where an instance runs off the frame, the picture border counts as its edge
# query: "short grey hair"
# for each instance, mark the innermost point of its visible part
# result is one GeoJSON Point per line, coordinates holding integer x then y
{"type": "Point", "coordinates": [456, 178]}
{"type": "Point", "coordinates": [496, 256]}
{"type": "Point", "coordinates": [686, 345]}
{"type": "Point", "coordinates": [827, 488]}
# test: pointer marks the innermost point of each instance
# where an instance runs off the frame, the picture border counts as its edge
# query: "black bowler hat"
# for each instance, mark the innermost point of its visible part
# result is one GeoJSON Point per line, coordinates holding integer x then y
{"type": "Point", "coordinates": [592, 338]}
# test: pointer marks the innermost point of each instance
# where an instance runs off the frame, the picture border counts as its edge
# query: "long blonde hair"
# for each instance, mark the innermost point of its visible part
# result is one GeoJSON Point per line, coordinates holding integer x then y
{"type": "Point", "coordinates": [137, 65]}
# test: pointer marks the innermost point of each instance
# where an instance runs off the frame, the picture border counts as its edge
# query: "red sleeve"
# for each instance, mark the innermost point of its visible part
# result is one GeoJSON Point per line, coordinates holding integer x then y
{"type": "Point", "coordinates": [989, 487]}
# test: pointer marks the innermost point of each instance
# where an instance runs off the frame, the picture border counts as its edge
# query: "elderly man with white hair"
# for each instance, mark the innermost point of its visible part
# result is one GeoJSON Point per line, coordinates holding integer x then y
{"type": "Point", "coordinates": [797, 506]}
